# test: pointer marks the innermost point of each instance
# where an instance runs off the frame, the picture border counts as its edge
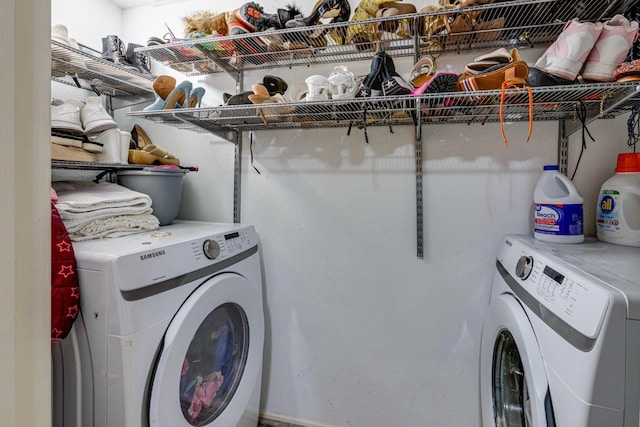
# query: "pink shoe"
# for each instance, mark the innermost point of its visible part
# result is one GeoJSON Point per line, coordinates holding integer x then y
{"type": "Point", "coordinates": [617, 37]}
{"type": "Point", "coordinates": [566, 56]}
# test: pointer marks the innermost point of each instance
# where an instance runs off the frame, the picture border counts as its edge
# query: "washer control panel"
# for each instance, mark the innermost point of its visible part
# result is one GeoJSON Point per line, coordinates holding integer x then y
{"type": "Point", "coordinates": [577, 301]}
{"type": "Point", "coordinates": [179, 249]}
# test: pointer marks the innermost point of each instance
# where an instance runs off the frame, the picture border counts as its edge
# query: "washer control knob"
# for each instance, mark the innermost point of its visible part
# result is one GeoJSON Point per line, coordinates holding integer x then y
{"type": "Point", "coordinates": [211, 249]}
{"type": "Point", "coordinates": [524, 266]}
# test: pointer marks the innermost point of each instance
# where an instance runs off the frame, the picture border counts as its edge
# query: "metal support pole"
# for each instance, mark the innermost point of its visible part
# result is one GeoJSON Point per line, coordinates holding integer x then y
{"type": "Point", "coordinates": [237, 166]}
{"type": "Point", "coordinates": [563, 148]}
{"type": "Point", "coordinates": [419, 189]}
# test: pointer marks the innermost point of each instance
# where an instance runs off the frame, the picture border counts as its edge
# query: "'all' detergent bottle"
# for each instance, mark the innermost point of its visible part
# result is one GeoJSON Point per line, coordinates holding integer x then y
{"type": "Point", "coordinates": [618, 210]}
{"type": "Point", "coordinates": [558, 208]}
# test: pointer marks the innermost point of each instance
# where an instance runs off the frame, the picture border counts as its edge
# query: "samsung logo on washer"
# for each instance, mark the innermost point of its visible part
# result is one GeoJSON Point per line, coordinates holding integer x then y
{"type": "Point", "coordinates": [152, 255]}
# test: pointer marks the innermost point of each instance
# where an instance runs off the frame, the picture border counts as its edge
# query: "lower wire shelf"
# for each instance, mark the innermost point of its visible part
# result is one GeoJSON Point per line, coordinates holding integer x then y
{"type": "Point", "coordinates": [601, 100]}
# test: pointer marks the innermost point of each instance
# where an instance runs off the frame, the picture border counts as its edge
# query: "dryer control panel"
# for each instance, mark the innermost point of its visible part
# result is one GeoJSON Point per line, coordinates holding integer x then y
{"type": "Point", "coordinates": [552, 286]}
{"type": "Point", "coordinates": [577, 302]}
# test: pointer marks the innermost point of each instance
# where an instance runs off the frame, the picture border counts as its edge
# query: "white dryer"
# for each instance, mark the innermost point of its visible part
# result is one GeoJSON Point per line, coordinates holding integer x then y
{"type": "Point", "coordinates": [561, 340]}
{"type": "Point", "coordinates": [171, 333]}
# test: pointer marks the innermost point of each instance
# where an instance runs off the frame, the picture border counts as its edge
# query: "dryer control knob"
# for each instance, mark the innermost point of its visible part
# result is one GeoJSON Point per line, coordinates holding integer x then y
{"type": "Point", "coordinates": [524, 266]}
{"type": "Point", "coordinates": [211, 249]}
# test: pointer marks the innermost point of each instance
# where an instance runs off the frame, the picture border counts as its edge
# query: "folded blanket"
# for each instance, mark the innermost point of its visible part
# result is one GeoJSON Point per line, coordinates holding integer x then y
{"type": "Point", "coordinates": [79, 197]}
{"type": "Point", "coordinates": [114, 226]}
{"type": "Point", "coordinates": [96, 210]}
{"type": "Point", "coordinates": [78, 221]}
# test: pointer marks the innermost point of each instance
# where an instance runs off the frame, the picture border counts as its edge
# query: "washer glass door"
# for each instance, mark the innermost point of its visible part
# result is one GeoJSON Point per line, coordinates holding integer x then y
{"type": "Point", "coordinates": [211, 359]}
{"type": "Point", "coordinates": [514, 389]}
{"type": "Point", "coordinates": [213, 364]}
{"type": "Point", "coordinates": [510, 394]}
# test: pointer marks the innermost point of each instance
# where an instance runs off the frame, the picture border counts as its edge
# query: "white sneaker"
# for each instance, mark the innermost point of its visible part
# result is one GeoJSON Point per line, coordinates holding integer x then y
{"type": "Point", "coordinates": [566, 56]}
{"type": "Point", "coordinates": [94, 117]}
{"type": "Point", "coordinates": [65, 115]}
{"type": "Point", "coordinates": [616, 38]}
{"type": "Point", "coordinates": [60, 34]}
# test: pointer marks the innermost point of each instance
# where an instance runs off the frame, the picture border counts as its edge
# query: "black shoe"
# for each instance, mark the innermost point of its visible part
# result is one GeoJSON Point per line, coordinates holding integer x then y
{"type": "Point", "coordinates": [372, 83]}
{"type": "Point", "coordinates": [252, 16]}
{"type": "Point", "coordinates": [113, 50]}
{"type": "Point", "coordinates": [139, 60]}
{"type": "Point", "coordinates": [392, 82]}
{"type": "Point", "coordinates": [337, 10]}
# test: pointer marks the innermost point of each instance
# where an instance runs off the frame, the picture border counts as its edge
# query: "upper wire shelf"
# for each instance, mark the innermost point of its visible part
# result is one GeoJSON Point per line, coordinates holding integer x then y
{"type": "Point", "coordinates": [517, 23]}
{"type": "Point", "coordinates": [87, 71]}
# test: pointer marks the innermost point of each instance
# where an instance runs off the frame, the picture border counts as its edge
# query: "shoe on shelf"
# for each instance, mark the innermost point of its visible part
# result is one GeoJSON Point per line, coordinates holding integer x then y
{"type": "Point", "coordinates": [392, 82]}
{"type": "Point", "coordinates": [138, 59]}
{"type": "Point", "coordinates": [372, 84]}
{"type": "Point", "coordinates": [113, 50]}
{"type": "Point", "coordinates": [194, 98]}
{"type": "Point", "coordinates": [566, 56]}
{"type": "Point", "coordinates": [617, 36]}
{"type": "Point", "coordinates": [65, 115]}
{"type": "Point", "coordinates": [342, 83]}
{"type": "Point", "coordinates": [94, 117]}
{"type": "Point", "coordinates": [335, 10]}
{"type": "Point", "coordinates": [241, 98]}
{"type": "Point", "coordinates": [274, 84]}
{"type": "Point", "coordinates": [176, 98]}
{"type": "Point", "coordinates": [152, 155]}
{"type": "Point", "coordinates": [60, 34]}
{"type": "Point", "coordinates": [139, 138]}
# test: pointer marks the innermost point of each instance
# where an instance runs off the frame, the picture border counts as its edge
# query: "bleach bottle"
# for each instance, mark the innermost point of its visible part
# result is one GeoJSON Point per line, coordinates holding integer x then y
{"type": "Point", "coordinates": [618, 210]}
{"type": "Point", "coordinates": [558, 208]}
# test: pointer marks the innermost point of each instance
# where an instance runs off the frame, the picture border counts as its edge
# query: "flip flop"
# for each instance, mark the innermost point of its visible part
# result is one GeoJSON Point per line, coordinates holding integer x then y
{"type": "Point", "coordinates": [441, 82]}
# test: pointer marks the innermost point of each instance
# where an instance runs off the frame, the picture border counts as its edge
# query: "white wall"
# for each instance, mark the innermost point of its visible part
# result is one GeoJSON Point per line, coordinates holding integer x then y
{"type": "Point", "coordinates": [360, 331]}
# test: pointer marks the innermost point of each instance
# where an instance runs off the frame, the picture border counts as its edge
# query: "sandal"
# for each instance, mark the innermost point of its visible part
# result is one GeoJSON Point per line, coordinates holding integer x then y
{"type": "Point", "coordinates": [481, 63]}
{"type": "Point", "coordinates": [400, 27]}
{"type": "Point", "coordinates": [152, 154]}
{"type": "Point", "coordinates": [422, 71]}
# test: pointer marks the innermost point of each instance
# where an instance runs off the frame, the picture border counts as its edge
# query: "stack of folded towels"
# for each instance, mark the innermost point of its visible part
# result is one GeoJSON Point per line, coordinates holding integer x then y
{"type": "Point", "coordinates": [92, 210]}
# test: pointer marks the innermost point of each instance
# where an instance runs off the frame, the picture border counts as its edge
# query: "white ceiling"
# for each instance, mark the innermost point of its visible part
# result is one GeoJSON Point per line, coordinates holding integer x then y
{"type": "Point", "coordinates": [128, 4]}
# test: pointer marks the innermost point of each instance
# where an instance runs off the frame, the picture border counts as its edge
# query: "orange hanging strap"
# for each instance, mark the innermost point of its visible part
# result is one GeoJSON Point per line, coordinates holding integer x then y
{"type": "Point", "coordinates": [515, 83]}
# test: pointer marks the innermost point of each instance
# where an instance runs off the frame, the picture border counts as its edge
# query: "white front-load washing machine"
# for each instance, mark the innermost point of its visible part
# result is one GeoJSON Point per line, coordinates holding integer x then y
{"type": "Point", "coordinates": [171, 331]}
{"type": "Point", "coordinates": [561, 339]}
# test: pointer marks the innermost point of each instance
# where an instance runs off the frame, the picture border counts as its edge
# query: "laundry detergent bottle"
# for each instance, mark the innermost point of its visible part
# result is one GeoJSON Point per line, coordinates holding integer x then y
{"type": "Point", "coordinates": [558, 213]}
{"type": "Point", "coordinates": [618, 210]}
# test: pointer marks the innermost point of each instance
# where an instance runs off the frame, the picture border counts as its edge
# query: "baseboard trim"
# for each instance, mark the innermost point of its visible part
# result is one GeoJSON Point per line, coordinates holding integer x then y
{"type": "Point", "coordinates": [277, 420]}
